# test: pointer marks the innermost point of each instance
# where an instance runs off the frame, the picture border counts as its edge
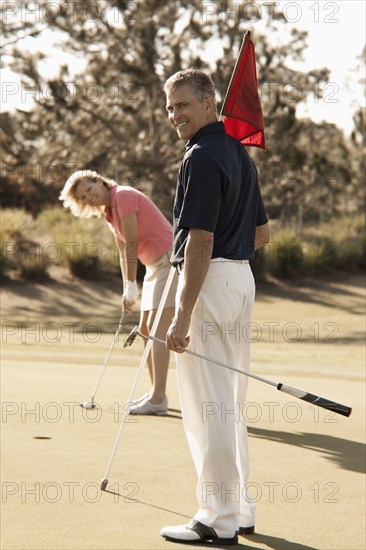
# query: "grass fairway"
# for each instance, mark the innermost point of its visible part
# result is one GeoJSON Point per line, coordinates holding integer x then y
{"type": "Point", "coordinates": [306, 463]}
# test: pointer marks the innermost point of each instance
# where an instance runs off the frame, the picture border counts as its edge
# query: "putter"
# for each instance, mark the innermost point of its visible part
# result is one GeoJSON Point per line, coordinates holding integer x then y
{"type": "Point", "coordinates": [91, 404]}
{"type": "Point", "coordinates": [300, 394]}
{"type": "Point", "coordinates": [140, 369]}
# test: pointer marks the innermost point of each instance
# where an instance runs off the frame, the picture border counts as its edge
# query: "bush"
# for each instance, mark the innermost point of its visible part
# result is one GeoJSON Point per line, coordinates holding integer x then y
{"type": "Point", "coordinates": [4, 263]}
{"type": "Point", "coordinates": [352, 253]}
{"type": "Point", "coordinates": [320, 255]}
{"type": "Point", "coordinates": [31, 264]}
{"type": "Point", "coordinates": [88, 249]}
{"type": "Point", "coordinates": [338, 244]}
{"type": "Point", "coordinates": [18, 252]}
{"type": "Point", "coordinates": [285, 254]}
{"type": "Point", "coordinates": [86, 245]}
{"type": "Point", "coordinates": [85, 267]}
{"type": "Point", "coordinates": [259, 263]}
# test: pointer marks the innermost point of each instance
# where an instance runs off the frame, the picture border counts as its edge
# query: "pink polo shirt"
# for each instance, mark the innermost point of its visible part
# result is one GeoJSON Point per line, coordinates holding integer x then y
{"type": "Point", "coordinates": [154, 232]}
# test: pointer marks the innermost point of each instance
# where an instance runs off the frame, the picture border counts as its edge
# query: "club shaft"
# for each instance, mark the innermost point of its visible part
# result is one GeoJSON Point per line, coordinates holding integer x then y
{"type": "Point", "coordinates": [115, 338]}
{"type": "Point", "coordinates": [140, 370]}
{"type": "Point", "coordinates": [212, 360]}
{"type": "Point", "coordinates": [333, 406]}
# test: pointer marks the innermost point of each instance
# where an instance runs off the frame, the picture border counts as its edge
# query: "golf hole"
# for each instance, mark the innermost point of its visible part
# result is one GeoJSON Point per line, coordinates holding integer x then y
{"type": "Point", "coordinates": [41, 437]}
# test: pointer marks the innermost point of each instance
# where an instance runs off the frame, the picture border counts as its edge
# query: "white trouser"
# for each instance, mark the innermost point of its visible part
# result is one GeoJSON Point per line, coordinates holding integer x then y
{"type": "Point", "coordinates": [212, 397]}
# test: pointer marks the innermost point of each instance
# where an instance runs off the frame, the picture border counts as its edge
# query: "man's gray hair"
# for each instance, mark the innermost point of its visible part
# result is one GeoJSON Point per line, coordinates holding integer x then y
{"type": "Point", "coordinates": [200, 83]}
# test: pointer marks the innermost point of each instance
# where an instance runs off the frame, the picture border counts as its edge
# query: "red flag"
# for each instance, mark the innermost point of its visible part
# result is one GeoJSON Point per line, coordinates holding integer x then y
{"type": "Point", "coordinates": [242, 108]}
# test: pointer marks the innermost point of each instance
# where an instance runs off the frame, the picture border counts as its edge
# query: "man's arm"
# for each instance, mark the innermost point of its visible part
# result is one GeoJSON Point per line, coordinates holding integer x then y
{"type": "Point", "coordinates": [261, 235]}
{"type": "Point", "coordinates": [197, 257]}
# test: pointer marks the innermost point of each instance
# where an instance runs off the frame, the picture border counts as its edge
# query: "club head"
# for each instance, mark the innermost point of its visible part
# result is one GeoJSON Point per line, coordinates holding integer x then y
{"type": "Point", "coordinates": [103, 484]}
{"type": "Point", "coordinates": [88, 405]}
{"type": "Point", "coordinates": [131, 337]}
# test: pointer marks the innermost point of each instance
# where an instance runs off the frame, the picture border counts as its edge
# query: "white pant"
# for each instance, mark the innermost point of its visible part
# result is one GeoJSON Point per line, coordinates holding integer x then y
{"type": "Point", "coordinates": [212, 397]}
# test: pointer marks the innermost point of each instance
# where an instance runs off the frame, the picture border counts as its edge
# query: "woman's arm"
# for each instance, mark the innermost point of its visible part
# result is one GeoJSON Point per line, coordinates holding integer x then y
{"type": "Point", "coordinates": [121, 254]}
{"type": "Point", "coordinates": [130, 252]}
{"type": "Point", "coordinates": [128, 259]}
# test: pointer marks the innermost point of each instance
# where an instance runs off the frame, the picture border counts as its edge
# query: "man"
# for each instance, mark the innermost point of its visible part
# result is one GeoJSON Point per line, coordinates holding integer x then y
{"type": "Point", "coordinates": [219, 220]}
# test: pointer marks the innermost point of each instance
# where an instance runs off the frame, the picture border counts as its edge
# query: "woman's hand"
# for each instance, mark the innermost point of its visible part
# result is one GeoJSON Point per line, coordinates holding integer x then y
{"type": "Point", "coordinates": [129, 295]}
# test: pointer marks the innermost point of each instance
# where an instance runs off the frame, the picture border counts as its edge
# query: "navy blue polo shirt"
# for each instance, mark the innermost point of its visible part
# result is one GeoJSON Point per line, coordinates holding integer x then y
{"type": "Point", "coordinates": [217, 191]}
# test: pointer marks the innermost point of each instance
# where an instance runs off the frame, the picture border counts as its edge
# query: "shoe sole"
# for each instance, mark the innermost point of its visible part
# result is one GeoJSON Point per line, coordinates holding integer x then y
{"type": "Point", "coordinates": [152, 413]}
{"type": "Point", "coordinates": [246, 531]}
{"type": "Point", "coordinates": [228, 542]}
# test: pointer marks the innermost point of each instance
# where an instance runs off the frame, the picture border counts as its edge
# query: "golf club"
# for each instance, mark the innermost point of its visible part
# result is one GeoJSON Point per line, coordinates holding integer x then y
{"type": "Point", "coordinates": [91, 404]}
{"type": "Point", "coordinates": [305, 396]}
{"type": "Point", "coordinates": [140, 370]}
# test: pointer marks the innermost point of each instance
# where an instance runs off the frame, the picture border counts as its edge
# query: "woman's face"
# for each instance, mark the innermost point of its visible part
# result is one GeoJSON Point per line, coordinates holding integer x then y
{"type": "Point", "coordinates": [92, 193]}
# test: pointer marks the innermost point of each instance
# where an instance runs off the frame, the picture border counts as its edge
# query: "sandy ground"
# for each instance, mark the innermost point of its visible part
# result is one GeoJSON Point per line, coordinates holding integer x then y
{"type": "Point", "coordinates": [306, 464]}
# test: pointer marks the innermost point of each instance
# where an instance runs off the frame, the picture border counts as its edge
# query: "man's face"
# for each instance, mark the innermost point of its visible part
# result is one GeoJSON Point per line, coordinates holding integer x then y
{"type": "Point", "coordinates": [186, 113]}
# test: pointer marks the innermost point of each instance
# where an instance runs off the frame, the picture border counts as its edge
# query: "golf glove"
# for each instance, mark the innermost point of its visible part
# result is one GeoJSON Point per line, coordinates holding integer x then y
{"type": "Point", "coordinates": [130, 292]}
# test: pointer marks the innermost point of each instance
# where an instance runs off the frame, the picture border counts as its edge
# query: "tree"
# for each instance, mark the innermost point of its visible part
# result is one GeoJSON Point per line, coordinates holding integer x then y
{"type": "Point", "coordinates": [358, 143]}
{"type": "Point", "coordinates": [111, 115]}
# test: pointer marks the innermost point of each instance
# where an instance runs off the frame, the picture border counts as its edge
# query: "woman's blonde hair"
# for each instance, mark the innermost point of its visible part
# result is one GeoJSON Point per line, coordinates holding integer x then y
{"type": "Point", "coordinates": [70, 200]}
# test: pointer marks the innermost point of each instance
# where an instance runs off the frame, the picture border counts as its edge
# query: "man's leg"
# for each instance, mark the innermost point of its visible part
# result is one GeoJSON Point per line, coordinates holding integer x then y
{"type": "Point", "coordinates": [207, 399]}
{"type": "Point", "coordinates": [241, 345]}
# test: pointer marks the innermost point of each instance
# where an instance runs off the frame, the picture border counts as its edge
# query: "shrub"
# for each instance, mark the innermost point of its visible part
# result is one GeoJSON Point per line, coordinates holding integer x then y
{"type": "Point", "coordinates": [320, 255]}
{"type": "Point", "coordinates": [13, 224]}
{"type": "Point", "coordinates": [85, 267]}
{"type": "Point", "coordinates": [31, 264]}
{"type": "Point", "coordinates": [88, 249]}
{"type": "Point", "coordinates": [18, 252]}
{"type": "Point", "coordinates": [352, 253]}
{"type": "Point", "coordinates": [285, 254]}
{"type": "Point", "coordinates": [4, 263]}
{"type": "Point", "coordinates": [259, 263]}
{"type": "Point", "coordinates": [86, 245]}
{"type": "Point", "coordinates": [338, 244]}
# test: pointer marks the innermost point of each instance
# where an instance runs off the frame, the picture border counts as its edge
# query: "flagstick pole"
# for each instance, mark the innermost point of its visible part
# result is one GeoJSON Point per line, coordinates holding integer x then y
{"type": "Point", "coordinates": [233, 76]}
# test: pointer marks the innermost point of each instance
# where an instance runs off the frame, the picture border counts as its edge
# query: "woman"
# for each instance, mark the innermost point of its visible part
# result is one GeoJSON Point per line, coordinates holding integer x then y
{"type": "Point", "coordinates": [141, 232]}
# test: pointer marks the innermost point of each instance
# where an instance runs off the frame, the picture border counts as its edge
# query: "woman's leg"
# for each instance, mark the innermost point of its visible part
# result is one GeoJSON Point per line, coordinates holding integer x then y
{"type": "Point", "coordinates": [143, 327]}
{"type": "Point", "coordinates": [160, 355]}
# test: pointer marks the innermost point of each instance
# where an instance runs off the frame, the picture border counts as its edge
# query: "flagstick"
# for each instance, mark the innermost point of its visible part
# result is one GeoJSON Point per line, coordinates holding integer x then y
{"type": "Point", "coordinates": [234, 73]}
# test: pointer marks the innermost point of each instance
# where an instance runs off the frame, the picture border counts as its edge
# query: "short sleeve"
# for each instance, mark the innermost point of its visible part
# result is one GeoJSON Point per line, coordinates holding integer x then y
{"type": "Point", "coordinates": [126, 201]}
{"type": "Point", "coordinates": [262, 217]}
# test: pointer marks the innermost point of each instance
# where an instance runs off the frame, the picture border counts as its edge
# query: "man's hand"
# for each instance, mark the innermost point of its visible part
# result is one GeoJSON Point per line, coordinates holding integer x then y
{"type": "Point", "coordinates": [176, 337]}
